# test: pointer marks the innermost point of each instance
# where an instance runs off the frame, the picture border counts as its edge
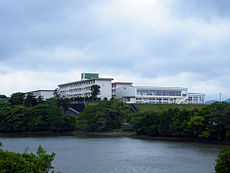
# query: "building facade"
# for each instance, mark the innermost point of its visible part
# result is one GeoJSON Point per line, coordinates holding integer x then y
{"type": "Point", "coordinates": [116, 85]}
{"type": "Point", "coordinates": [196, 98]}
{"type": "Point", "coordinates": [158, 95]}
{"type": "Point", "coordinates": [127, 92]}
{"type": "Point", "coordinates": [45, 94]}
{"type": "Point", "coordinates": [82, 88]}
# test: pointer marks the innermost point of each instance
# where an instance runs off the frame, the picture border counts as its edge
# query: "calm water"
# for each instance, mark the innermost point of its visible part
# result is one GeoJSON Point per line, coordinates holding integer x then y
{"type": "Point", "coordinates": [85, 154]}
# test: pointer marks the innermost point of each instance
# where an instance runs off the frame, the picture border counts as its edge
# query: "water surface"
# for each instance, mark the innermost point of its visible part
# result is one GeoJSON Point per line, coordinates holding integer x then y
{"type": "Point", "coordinates": [91, 154]}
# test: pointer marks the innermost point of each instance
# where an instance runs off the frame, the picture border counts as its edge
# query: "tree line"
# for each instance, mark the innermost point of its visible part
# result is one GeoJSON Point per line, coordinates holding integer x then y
{"type": "Point", "coordinates": [34, 114]}
{"type": "Point", "coordinates": [27, 113]}
{"type": "Point", "coordinates": [210, 122]}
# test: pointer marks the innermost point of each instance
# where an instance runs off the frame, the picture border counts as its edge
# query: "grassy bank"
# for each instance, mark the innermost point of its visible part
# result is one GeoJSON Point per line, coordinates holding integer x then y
{"type": "Point", "coordinates": [164, 107]}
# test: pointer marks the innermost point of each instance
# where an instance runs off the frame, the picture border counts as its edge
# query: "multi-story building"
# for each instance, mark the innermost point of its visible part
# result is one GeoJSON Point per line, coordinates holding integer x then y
{"type": "Point", "coordinates": [82, 88]}
{"type": "Point", "coordinates": [158, 95]}
{"type": "Point", "coordinates": [45, 94]}
{"type": "Point", "coordinates": [127, 92]}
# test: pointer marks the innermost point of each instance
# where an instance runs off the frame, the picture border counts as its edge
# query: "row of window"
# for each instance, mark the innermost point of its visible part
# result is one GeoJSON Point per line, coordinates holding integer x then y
{"type": "Point", "coordinates": [195, 99]}
{"type": "Point", "coordinates": [76, 90]}
{"type": "Point", "coordinates": [155, 99]}
{"type": "Point", "coordinates": [158, 93]}
{"type": "Point", "coordinates": [80, 95]}
{"type": "Point", "coordinates": [77, 84]}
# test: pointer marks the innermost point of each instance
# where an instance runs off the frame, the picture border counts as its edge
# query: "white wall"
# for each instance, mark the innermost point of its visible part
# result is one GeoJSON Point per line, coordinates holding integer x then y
{"type": "Point", "coordinates": [44, 94]}
{"type": "Point", "coordinates": [106, 88]}
{"type": "Point", "coordinates": [126, 92]}
{"type": "Point", "coordinates": [47, 94]}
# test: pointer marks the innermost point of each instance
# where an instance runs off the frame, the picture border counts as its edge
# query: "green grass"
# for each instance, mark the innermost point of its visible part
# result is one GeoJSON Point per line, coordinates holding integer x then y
{"type": "Point", "coordinates": [163, 107]}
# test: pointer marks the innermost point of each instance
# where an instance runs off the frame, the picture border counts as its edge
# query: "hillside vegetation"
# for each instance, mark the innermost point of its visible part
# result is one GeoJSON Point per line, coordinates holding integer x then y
{"type": "Point", "coordinates": [165, 107]}
{"type": "Point", "coordinates": [31, 114]}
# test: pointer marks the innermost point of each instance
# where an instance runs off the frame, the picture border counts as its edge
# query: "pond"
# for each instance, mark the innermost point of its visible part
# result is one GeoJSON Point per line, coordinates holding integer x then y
{"type": "Point", "coordinates": [97, 154]}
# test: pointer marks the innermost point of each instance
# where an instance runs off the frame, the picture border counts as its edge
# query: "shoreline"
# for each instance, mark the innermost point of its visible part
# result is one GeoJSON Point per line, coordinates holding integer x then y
{"type": "Point", "coordinates": [112, 134]}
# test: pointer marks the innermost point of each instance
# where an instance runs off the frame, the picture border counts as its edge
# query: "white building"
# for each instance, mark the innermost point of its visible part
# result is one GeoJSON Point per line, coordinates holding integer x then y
{"type": "Point", "coordinates": [82, 88]}
{"type": "Point", "coordinates": [158, 95]}
{"type": "Point", "coordinates": [116, 85]}
{"type": "Point", "coordinates": [196, 98]}
{"type": "Point", "coordinates": [127, 92]}
{"type": "Point", "coordinates": [45, 94]}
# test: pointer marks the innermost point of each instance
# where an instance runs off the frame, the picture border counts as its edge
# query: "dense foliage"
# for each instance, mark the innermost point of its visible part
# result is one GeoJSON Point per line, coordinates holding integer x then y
{"type": "Point", "coordinates": [223, 161]}
{"type": "Point", "coordinates": [33, 115]}
{"type": "Point", "coordinates": [24, 163]}
{"type": "Point", "coordinates": [95, 90]}
{"type": "Point", "coordinates": [210, 122]}
{"type": "Point", "coordinates": [104, 115]}
{"type": "Point", "coordinates": [3, 96]}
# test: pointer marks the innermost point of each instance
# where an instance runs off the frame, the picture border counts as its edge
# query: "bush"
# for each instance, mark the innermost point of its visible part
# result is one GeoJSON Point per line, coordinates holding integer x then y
{"type": "Point", "coordinates": [223, 161]}
{"type": "Point", "coordinates": [24, 163]}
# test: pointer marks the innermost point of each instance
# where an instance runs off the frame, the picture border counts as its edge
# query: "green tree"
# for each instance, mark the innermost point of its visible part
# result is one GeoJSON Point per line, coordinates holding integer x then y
{"type": "Point", "coordinates": [3, 96]}
{"type": "Point", "coordinates": [30, 100]}
{"type": "Point", "coordinates": [64, 103]}
{"type": "Point", "coordinates": [104, 115]}
{"type": "Point", "coordinates": [56, 94]}
{"type": "Point", "coordinates": [23, 163]}
{"type": "Point", "coordinates": [164, 121]}
{"type": "Point", "coordinates": [223, 161]}
{"type": "Point", "coordinates": [17, 98]}
{"type": "Point", "coordinates": [179, 123]}
{"type": "Point", "coordinates": [226, 121]}
{"type": "Point", "coordinates": [40, 100]}
{"type": "Point", "coordinates": [95, 90]}
{"type": "Point", "coordinates": [46, 116]}
{"type": "Point", "coordinates": [196, 123]}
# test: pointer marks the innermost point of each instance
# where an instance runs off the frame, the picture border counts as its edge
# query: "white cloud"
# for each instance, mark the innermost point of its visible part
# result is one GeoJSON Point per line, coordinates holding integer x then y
{"type": "Point", "coordinates": [24, 81]}
{"type": "Point", "coordinates": [146, 42]}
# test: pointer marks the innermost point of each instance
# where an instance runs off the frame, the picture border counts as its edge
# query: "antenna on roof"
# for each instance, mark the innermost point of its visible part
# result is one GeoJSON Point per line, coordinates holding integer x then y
{"type": "Point", "coordinates": [220, 97]}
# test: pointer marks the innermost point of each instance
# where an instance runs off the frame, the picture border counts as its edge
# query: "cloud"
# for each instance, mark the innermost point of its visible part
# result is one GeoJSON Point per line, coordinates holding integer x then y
{"type": "Point", "coordinates": [170, 43]}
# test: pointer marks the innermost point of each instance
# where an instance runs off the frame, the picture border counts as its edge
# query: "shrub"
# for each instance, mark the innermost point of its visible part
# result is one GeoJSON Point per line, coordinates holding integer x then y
{"type": "Point", "coordinates": [223, 161]}
{"type": "Point", "coordinates": [23, 163]}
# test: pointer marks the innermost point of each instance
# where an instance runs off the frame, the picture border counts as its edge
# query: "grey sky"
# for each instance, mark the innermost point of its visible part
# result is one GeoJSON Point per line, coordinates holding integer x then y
{"type": "Point", "coordinates": [153, 42]}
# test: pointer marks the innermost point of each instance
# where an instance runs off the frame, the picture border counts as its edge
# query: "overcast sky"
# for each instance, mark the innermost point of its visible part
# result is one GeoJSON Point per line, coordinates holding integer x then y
{"type": "Point", "coordinates": [184, 43]}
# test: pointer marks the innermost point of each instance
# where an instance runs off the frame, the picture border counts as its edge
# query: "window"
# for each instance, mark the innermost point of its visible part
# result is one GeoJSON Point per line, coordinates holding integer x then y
{"type": "Point", "coordinates": [158, 92]}
{"type": "Point", "coordinates": [139, 92]}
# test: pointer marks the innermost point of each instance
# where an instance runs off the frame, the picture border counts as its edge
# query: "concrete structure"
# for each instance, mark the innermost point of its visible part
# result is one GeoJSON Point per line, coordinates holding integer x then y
{"type": "Point", "coordinates": [82, 88]}
{"type": "Point", "coordinates": [196, 98]}
{"type": "Point", "coordinates": [158, 95]}
{"type": "Point", "coordinates": [116, 85]}
{"type": "Point", "coordinates": [127, 92]}
{"type": "Point", "coordinates": [45, 94]}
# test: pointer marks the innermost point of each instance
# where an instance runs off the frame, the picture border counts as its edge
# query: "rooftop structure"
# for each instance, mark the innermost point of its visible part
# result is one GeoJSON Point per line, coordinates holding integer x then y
{"type": "Point", "coordinates": [89, 76]}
